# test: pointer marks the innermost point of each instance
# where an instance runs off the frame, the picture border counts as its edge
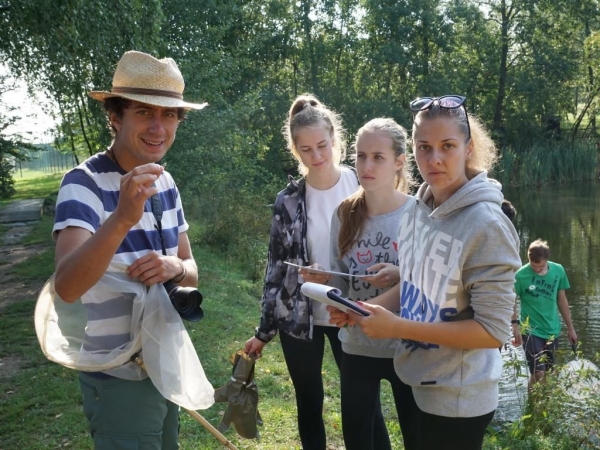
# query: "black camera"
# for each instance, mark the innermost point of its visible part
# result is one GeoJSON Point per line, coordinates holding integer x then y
{"type": "Point", "coordinates": [186, 301]}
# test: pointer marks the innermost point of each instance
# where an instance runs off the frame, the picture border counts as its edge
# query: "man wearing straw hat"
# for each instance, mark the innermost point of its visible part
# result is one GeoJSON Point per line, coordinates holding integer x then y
{"type": "Point", "coordinates": [103, 217]}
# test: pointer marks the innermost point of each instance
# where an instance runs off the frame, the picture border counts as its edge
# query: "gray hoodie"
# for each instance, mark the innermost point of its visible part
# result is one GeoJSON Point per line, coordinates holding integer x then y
{"type": "Point", "coordinates": [457, 262]}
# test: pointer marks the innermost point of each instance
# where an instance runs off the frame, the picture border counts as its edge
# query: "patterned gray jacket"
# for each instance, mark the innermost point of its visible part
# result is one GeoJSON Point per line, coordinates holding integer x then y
{"type": "Point", "coordinates": [283, 305]}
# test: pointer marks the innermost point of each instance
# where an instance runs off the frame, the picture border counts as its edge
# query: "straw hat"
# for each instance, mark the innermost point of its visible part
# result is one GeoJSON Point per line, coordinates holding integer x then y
{"type": "Point", "coordinates": [145, 79]}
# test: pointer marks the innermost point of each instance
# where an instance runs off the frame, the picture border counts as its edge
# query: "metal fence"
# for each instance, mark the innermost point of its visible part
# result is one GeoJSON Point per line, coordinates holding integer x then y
{"type": "Point", "coordinates": [47, 160]}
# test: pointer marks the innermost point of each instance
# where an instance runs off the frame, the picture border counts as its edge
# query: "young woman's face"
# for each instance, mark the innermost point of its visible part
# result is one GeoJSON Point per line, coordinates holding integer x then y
{"type": "Point", "coordinates": [376, 161]}
{"type": "Point", "coordinates": [441, 152]}
{"type": "Point", "coordinates": [314, 145]}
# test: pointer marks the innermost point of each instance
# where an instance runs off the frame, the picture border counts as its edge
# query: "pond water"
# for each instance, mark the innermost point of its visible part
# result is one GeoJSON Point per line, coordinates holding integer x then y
{"type": "Point", "coordinates": [568, 217]}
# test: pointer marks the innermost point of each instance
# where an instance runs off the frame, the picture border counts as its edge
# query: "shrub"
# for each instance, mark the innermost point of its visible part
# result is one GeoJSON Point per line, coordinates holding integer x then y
{"type": "Point", "coordinates": [557, 416]}
{"type": "Point", "coordinates": [7, 182]}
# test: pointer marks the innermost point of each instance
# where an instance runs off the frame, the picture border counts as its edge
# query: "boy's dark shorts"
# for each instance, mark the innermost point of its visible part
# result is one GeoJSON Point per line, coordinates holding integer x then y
{"type": "Point", "coordinates": [539, 352]}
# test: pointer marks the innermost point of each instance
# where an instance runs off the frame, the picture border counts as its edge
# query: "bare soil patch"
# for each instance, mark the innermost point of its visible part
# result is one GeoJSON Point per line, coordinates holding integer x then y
{"type": "Point", "coordinates": [13, 290]}
{"type": "Point", "coordinates": [9, 366]}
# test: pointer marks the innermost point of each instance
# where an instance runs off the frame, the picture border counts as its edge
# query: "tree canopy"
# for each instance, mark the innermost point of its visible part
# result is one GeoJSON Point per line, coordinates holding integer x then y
{"type": "Point", "coordinates": [521, 63]}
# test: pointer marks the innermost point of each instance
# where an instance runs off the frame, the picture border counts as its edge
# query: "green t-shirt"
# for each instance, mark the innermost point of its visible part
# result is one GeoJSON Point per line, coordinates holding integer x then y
{"type": "Point", "coordinates": [539, 298]}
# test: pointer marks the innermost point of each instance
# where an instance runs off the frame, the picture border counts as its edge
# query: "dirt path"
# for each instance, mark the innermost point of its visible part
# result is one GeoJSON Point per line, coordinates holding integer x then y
{"type": "Point", "coordinates": [18, 219]}
{"type": "Point", "coordinates": [13, 252]}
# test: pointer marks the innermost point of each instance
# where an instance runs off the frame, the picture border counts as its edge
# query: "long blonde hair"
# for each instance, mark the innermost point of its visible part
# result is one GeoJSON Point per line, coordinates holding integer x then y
{"type": "Point", "coordinates": [308, 111]}
{"type": "Point", "coordinates": [352, 212]}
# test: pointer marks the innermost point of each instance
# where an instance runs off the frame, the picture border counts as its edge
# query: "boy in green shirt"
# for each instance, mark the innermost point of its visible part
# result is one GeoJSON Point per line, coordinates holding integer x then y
{"type": "Point", "coordinates": [540, 285]}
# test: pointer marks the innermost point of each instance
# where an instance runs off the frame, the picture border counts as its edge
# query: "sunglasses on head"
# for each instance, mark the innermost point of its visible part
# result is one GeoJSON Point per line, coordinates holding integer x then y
{"type": "Point", "coordinates": [445, 102]}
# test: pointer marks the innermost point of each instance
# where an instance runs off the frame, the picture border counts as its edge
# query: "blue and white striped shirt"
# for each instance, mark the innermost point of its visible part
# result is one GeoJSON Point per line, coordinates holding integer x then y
{"type": "Point", "coordinates": [87, 197]}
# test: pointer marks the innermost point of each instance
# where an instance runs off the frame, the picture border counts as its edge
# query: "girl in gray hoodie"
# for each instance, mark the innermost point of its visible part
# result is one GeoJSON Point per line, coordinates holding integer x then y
{"type": "Point", "coordinates": [458, 254]}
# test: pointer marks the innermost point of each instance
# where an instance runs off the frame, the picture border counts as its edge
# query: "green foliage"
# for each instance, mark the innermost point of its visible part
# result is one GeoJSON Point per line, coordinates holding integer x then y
{"type": "Point", "coordinates": [7, 182]}
{"type": "Point", "coordinates": [12, 147]}
{"type": "Point", "coordinates": [547, 161]}
{"type": "Point", "coordinates": [225, 186]}
{"type": "Point", "coordinates": [67, 47]}
{"type": "Point", "coordinates": [562, 412]}
{"type": "Point", "coordinates": [521, 63]}
{"type": "Point", "coordinates": [554, 418]}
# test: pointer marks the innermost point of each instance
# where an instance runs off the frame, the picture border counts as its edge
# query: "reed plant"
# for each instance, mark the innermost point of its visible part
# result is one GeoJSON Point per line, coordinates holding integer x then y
{"type": "Point", "coordinates": [547, 161]}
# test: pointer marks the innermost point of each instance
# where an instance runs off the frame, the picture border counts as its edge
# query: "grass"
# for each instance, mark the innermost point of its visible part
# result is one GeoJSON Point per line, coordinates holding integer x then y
{"type": "Point", "coordinates": [40, 403]}
{"type": "Point", "coordinates": [34, 185]}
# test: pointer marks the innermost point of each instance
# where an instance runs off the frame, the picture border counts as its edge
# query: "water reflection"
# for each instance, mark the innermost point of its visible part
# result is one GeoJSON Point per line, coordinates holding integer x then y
{"type": "Point", "coordinates": [513, 385]}
{"type": "Point", "coordinates": [567, 217]}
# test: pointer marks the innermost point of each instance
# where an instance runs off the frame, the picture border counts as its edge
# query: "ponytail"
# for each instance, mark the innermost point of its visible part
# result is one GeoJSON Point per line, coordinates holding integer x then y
{"type": "Point", "coordinates": [353, 215]}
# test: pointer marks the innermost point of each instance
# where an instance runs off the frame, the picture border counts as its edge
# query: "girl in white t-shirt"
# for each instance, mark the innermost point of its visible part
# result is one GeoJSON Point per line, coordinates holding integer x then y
{"type": "Point", "coordinates": [300, 235]}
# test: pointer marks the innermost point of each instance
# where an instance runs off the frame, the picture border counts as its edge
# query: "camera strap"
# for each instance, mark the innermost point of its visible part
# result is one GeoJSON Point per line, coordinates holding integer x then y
{"type": "Point", "coordinates": [157, 211]}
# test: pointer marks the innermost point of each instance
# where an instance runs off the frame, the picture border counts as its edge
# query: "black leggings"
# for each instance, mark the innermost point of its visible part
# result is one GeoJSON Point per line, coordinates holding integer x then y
{"type": "Point", "coordinates": [304, 360]}
{"type": "Point", "coordinates": [363, 423]}
{"type": "Point", "coordinates": [449, 433]}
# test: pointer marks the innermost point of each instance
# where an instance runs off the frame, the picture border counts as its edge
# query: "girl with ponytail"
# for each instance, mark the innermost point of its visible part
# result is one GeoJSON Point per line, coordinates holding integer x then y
{"type": "Point", "coordinates": [364, 232]}
{"type": "Point", "coordinates": [300, 235]}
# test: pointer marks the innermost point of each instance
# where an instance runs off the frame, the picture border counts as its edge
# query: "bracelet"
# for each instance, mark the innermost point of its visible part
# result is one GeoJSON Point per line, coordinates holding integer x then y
{"type": "Point", "coordinates": [182, 275]}
{"type": "Point", "coordinates": [515, 322]}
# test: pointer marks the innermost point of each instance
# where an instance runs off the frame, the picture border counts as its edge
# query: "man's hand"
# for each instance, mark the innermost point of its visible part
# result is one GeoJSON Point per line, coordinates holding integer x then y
{"type": "Point", "coordinates": [136, 187]}
{"type": "Point", "coordinates": [572, 335]}
{"type": "Point", "coordinates": [518, 339]}
{"type": "Point", "coordinates": [154, 268]}
{"type": "Point", "coordinates": [387, 275]}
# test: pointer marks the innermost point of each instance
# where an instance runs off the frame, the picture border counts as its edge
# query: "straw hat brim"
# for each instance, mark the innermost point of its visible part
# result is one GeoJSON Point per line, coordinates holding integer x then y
{"type": "Point", "coordinates": [166, 102]}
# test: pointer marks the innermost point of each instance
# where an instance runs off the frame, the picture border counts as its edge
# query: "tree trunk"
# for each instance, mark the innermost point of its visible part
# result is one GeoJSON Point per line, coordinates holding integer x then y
{"type": "Point", "coordinates": [87, 141]}
{"type": "Point", "coordinates": [307, 25]}
{"type": "Point", "coordinates": [497, 123]}
{"type": "Point", "coordinates": [583, 112]}
{"type": "Point", "coordinates": [591, 82]}
{"type": "Point", "coordinates": [593, 112]}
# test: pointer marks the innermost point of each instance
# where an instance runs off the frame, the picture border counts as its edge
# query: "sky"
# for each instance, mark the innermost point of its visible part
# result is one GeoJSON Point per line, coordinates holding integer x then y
{"type": "Point", "coordinates": [33, 124]}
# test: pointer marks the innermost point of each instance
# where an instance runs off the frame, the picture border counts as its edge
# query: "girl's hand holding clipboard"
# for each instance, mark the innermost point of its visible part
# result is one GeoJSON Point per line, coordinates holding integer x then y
{"type": "Point", "coordinates": [383, 275]}
{"type": "Point", "coordinates": [340, 318]}
{"type": "Point", "coordinates": [312, 274]}
{"type": "Point", "coordinates": [380, 323]}
{"type": "Point", "coordinates": [331, 297]}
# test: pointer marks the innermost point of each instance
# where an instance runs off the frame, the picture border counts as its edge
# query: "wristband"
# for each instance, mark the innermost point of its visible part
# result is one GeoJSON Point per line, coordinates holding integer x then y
{"type": "Point", "coordinates": [182, 275]}
{"type": "Point", "coordinates": [515, 322]}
